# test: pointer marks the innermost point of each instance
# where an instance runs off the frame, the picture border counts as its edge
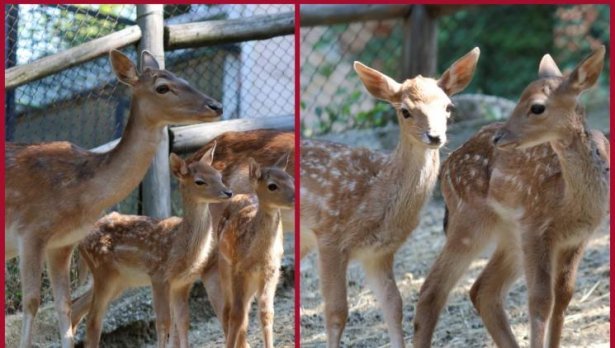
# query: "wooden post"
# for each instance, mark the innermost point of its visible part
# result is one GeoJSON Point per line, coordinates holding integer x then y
{"type": "Point", "coordinates": [156, 186]}
{"type": "Point", "coordinates": [420, 47]}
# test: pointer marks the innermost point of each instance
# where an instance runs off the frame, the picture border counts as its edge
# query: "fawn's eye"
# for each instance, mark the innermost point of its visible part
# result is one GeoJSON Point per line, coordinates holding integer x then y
{"type": "Point", "coordinates": [405, 113]}
{"type": "Point", "coordinates": [200, 182]}
{"type": "Point", "coordinates": [272, 187]}
{"type": "Point", "coordinates": [162, 89]}
{"type": "Point", "coordinates": [537, 109]}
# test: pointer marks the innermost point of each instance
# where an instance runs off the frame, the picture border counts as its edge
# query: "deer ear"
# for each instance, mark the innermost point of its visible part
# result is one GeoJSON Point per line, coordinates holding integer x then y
{"type": "Point", "coordinates": [179, 167]}
{"type": "Point", "coordinates": [208, 157]}
{"type": "Point", "coordinates": [149, 61]}
{"type": "Point", "coordinates": [378, 84]}
{"type": "Point", "coordinates": [548, 68]}
{"type": "Point", "coordinates": [459, 75]}
{"type": "Point", "coordinates": [282, 162]}
{"type": "Point", "coordinates": [586, 74]}
{"type": "Point", "coordinates": [255, 169]}
{"type": "Point", "coordinates": [124, 69]}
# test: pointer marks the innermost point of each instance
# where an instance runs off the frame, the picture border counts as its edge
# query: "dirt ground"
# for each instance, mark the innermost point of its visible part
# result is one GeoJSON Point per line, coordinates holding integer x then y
{"type": "Point", "coordinates": [587, 318]}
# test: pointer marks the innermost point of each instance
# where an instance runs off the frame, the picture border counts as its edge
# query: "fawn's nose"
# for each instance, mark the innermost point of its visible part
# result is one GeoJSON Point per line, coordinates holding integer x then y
{"type": "Point", "coordinates": [228, 193]}
{"type": "Point", "coordinates": [215, 106]}
{"type": "Point", "coordinates": [434, 139]}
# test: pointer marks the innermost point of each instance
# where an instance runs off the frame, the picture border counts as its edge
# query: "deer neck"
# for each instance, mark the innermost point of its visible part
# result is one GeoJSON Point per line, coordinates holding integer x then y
{"type": "Point", "coordinates": [122, 168]}
{"type": "Point", "coordinates": [196, 223]}
{"type": "Point", "coordinates": [266, 220]}
{"type": "Point", "coordinates": [582, 170]}
{"type": "Point", "coordinates": [411, 174]}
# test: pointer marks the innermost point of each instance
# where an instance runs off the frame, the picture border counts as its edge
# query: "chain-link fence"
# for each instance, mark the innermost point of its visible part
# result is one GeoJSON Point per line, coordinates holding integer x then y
{"type": "Point", "coordinates": [512, 40]}
{"type": "Point", "coordinates": [87, 106]}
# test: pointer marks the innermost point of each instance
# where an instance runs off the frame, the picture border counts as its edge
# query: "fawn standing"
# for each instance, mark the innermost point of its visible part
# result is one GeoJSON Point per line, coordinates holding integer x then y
{"type": "Point", "coordinates": [56, 191]}
{"type": "Point", "coordinates": [538, 186]}
{"type": "Point", "coordinates": [359, 204]}
{"type": "Point", "coordinates": [250, 250]}
{"type": "Point", "coordinates": [127, 251]}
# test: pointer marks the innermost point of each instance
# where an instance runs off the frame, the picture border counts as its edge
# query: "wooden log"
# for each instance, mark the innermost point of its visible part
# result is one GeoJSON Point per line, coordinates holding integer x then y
{"type": "Point", "coordinates": [49, 65]}
{"type": "Point", "coordinates": [156, 186]}
{"type": "Point", "coordinates": [191, 138]}
{"type": "Point", "coordinates": [313, 15]}
{"type": "Point", "coordinates": [420, 48]}
{"type": "Point", "coordinates": [227, 31]}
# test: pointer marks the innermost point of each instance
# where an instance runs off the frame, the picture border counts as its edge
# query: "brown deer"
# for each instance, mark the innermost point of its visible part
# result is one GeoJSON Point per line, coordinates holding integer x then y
{"type": "Point", "coordinates": [265, 146]}
{"type": "Point", "coordinates": [126, 251]}
{"type": "Point", "coordinates": [250, 250]}
{"type": "Point", "coordinates": [360, 204]}
{"type": "Point", "coordinates": [537, 185]}
{"type": "Point", "coordinates": [56, 191]}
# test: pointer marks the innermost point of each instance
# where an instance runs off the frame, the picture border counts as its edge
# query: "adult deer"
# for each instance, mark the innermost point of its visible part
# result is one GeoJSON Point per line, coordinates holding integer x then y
{"type": "Point", "coordinates": [360, 204]}
{"type": "Point", "coordinates": [250, 250]}
{"type": "Point", "coordinates": [538, 186]}
{"type": "Point", "coordinates": [56, 191]}
{"type": "Point", "coordinates": [126, 251]}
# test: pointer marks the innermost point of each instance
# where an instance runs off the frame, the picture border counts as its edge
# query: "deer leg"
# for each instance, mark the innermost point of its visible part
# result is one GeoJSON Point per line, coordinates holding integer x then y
{"type": "Point", "coordinates": [162, 307]}
{"type": "Point", "coordinates": [462, 246]}
{"type": "Point", "coordinates": [265, 306]}
{"type": "Point", "coordinates": [104, 291]}
{"type": "Point", "coordinates": [238, 314]}
{"type": "Point", "coordinates": [333, 265]}
{"type": "Point", "coordinates": [181, 315]}
{"type": "Point", "coordinates": [567, 262]}
{"type": "Point", "coordinates": [212, 282]}
{"type": "Point", "coordinates": [490, 289]}
{"type": "Point", "coordinates": [380, 279]}
{"type": "Point", "coordinates": [538, 272]}
{"type": "Point", "coordinates": [80, 308]}
{"type": "Point", "coordinates": [58, 261]}
{"type": "Point", "coordinates": [30, 269]}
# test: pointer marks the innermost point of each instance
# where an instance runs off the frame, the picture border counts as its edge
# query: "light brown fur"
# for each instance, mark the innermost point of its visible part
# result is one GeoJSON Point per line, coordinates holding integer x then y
{"type": "Point", "coordinates": [250, 250]}
{"type": "Point", "coordinates": [538, 186]}
{"type": "Point", "coordinates": [360, 204]}
{"type": "Point", "coordinates": [56, 191]}
{"type": "Point", "coordinates": [127, 251]}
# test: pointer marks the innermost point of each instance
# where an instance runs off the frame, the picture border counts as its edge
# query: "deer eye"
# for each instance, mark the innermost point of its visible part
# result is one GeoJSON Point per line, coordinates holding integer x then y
{"type": "Point", "coordinates": [162, 89]}
{"type": "Point", "coordinates": [537, 109]}
{"type": "Point", "coordinates": [406, 113]}
{"type": "Point", "coordinates": [272, 187]}
{"type": "Point", "coordinates": [200, 182]}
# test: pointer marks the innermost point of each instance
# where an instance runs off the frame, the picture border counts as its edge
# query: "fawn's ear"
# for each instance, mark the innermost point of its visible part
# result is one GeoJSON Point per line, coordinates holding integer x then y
{"type": "Point", "coordinates": [548, 68]}
{"type": "Point", "coordinates": [149, 61]}
{"type": "Point", "coordinates": [124, 69]}
{"type": "Point", "coordinates": [459, 75]}
{"type": "Point", "coordinates": [208, 157]}
{"type": "Point", "coordinates": [586, 74]}
{"type": "Point", "coordinates": [179, 168]}
{"type": "Point", "coordinates": [282, 162]}
{"type": "Point", "coordinates": [255, 169]}
{"type": "Point", "coordinates": [378, 84]}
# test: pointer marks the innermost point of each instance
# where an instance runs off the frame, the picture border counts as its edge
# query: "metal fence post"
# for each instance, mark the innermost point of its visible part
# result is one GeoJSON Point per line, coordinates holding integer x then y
{"type": "Point", "coordinates": [420, 47]}
{"type": "Point", "coordinates": [156, 186]}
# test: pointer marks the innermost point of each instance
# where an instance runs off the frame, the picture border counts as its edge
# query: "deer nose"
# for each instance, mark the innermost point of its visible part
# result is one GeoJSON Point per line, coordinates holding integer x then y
{"type": "Point", "coordinates": [215, 106]}
{"type": "Point", "coordinates": [434, 139]}
{"type": "Point", "coordinates": [229, 194]}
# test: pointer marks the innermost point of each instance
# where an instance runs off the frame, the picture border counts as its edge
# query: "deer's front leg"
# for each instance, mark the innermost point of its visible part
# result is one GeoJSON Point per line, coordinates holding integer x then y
{"type": "Point", "coordinates": [380, 279]}
{"type": "Point", "coordinates": [238, 315]}
{"type": "Point", "coordinates": [181, 315]}
{"type": "Point", "coordinates": [333, 265]}
{"type": "Point", "coordinates": [266, 296]}
{"type": "Point", "coordinates": [162, 307]}
{"type": "Point", "coordinates": [58, 261]}
{"type": "Point", "coordinates": [30, 270]}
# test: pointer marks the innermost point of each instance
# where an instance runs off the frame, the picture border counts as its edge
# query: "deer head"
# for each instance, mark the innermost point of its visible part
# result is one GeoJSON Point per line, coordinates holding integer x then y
{"type": "Point", "coordinates": [423, 104]}
{"type": "Point", "coordinates": [273, 186]}
{"type": "Point", "coordinates": [199, 179]}
{"type": "Point", "coordinates": [163, 97]}
{"type": "Point", "coordinates": [548, 108]}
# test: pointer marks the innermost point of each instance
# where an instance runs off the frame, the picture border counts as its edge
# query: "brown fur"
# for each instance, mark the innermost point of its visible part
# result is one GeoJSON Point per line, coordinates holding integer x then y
{"type": "Point", "coordinates": [360, 204]}
{"type": "Point", "coordinates": [538, 186]}
{"type": "Point", "coordinates": [127, 251]}
{"type": "Point", "coordinates": [250, 251]}
{"type": "Point", "coordinates": [56, 191]}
